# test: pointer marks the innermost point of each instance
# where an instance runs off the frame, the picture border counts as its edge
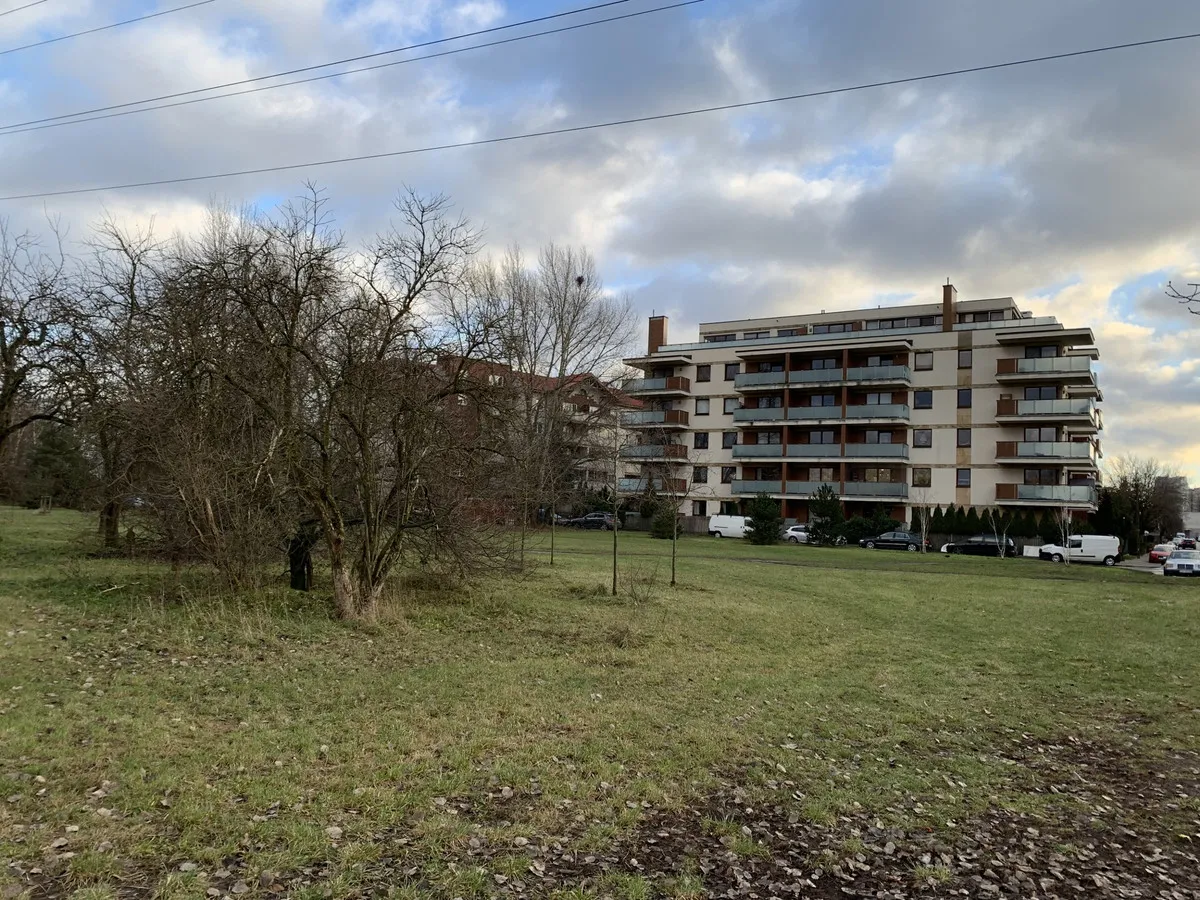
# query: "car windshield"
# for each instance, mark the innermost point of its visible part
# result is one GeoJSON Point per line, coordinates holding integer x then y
{"type": "Point", "coordinates": [1186, 554]}
{"type": "Point", "coordinates": [1164, 548]}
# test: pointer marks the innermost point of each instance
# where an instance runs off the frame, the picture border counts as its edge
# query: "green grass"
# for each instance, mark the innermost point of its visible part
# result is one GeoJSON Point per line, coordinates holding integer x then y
{"type": "Point", "coordinates": [246, 727]}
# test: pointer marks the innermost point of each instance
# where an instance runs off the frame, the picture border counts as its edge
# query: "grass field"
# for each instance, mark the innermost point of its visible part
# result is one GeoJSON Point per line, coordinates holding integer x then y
{"type": "Point", "coordinates": [787, 721]}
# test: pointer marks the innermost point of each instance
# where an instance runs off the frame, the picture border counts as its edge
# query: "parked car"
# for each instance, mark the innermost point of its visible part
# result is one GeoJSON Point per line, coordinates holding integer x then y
{"type": "Point", "coordinates": [1085, 548]}
{"type": "Point", "coordinates": [595, 520]}
{"type": "Point", "coordinates": [981, 545]}
{"type": "Point", "coordinates": [1187, 544]}
{"type": "Point", "coordinates": [1184, 563]}
{"type": "Point", "coordinates": [894, 540]}
{"type": "Point", "coordinates": [1160, 552]}
{"type": "Point", "coordinates": [727, 526]}
{"type": "Point", "coordinates": [797, 534]}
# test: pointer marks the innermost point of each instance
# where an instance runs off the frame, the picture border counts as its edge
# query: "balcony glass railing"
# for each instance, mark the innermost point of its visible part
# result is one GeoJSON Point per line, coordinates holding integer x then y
{"type": "Point", "coordinates": [879, 373]}
{"type": "Point", "coordinates": [890, 451]}
{"type": "Point", "coordinates": [654, 417]}
{"type": "Point", "coordinates": [808, 488]}
{"type": "Point", "coordinates": [654, 451]}
{"type": "Point", "coordinates": [765, 414]}
{"type": "Point", "coordinates": [814, 412]}
{"type": "Point", "coordinates": [816, 376]}
{"type": "Point", "coordinates": [757, 451]}
{"type": "Point", "coordinates": [757, 487]}
{"type": "Point", "coordinates": [1082, 407]}
{"type": "Point", "coordinates": [674, 384]}
{"type": "Point", "coordinates": [642, 485]}
{"type": "Point", "coordinates": [1054, 450]}
{"type": "Point", "coordinates": [760, 379]}
{"type": "Point", "coordinates": [814, 451]}
{"type": "Point", "coordinates": [1051, 365]}
{"type": "Point", "coordinates": [878, 411]}
{"type": "Point", "coordinates": [875, 489]}
{"type": "Point", "coordinates": [1058, 493]}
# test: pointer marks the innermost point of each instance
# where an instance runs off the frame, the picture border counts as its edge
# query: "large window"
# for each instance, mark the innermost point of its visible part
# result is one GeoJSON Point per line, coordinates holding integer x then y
{"type": "Point", "coordinates": [964, 437]}
{"type": "Point", "coordinates": [728, 474]}
{"type": "Point", "coordinates": [964, 398]}
{"type": "Point", "coordinates": [964, 359]}
{"type": "Point", "coordinates": [755, 335]}
{"type": "Point", "coordinates": [874, 362]}
{"type": "Point", "coordinates": [719, 338]}
{"type": "Point", "coordinates": [1041, 476]}
{"type": "Point", "coordinates": [922, 477]}
{"type": "Point", "coordinates": [879, 437]}
{"type": "Point", "coordinates": [699, 507]}
{"type": "Point", "coordinates": [1046, 433]}
{"type": "Point", "coordinates": [700, 475]}
{"type": "Point", "coordinates": [924, 362]}
{"type": "Point", "coordinates": [775, 402]}
{"type": "Point", "coordinates": [823, 437]}
{"type": "Point", "coordinates": [1041, 392]}
{"type": "Point", "coordinates": [923, 399]}
{"type": "Point", "coordinates": [732, 370]}
{"type": "Point", "coordinates": [879, 399]}
{"type": "Point", "coordinates": [729, 508]}
{"type": "Point", "coordinates": [1042, 352]}
{"type": "Point", "coordinates": [700, 440]}
{"type": "Point", "coordinates": [923, 437]}
{"type": "Point", "coordinates": [964, 478]}
{"type": "Point", "coordinates": [825, 400]}
{"type": "Point", "coordinates": [820, 473]}
{"type": "Point", "coordinates": [836, 328]}
{"type": "Point", "coordinates": [732, 404]}
{"type": "Point", "coordinates": [729, 440]}
{"type": "Point", "coordinates": [704, 373]}
{"type": "Point", "coordinates": [770, 367]}
{"type": "Point", "coordinates": [787, 332]}
{"type": "Point", "coordinates": [826, 363]}
{"type": "Point", "coordinates": [702, 406]}
{"type": "Point", "coordinates": [874, 475]}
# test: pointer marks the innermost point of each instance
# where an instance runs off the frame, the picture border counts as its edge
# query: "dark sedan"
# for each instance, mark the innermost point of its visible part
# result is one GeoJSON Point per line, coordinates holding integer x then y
{"type": "Point", "coordinates": [982, 545]}
{"type": "Point", "coordinates": [894, 540]}
{"type": "Point", "coordinates": [598, 520]}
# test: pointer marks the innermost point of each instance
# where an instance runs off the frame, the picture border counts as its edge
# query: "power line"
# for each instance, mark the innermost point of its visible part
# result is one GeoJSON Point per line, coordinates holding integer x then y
{"type": "Point", "coordinates": [9, 12]}
{"type": "Point", "coordinates": [313, 68]}
{"type": "Point", "coordinates": [36, 124]}
{"type": "Point", "coordinates": [67, 37]}
{"type": "Point", "coordinates": [593, 126]}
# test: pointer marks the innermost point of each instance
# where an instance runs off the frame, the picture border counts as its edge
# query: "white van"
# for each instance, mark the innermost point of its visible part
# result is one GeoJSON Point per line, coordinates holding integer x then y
{"type": "Point", "coordinates": [1085, 548]}
{"type": "Point", "coordinates": [727, 526]}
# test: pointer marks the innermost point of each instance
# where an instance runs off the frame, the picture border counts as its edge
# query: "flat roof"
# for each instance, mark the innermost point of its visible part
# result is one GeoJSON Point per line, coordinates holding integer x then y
{"type": "Point", "coordinates": [875, 312]}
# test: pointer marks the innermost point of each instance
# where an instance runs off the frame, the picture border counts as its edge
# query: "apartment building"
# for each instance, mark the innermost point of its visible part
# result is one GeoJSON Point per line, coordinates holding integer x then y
{"type": "Point", "coordinates": [971, 403]}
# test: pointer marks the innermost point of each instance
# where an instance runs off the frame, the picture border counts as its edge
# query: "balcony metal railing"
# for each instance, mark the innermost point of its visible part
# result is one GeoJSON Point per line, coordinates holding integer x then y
{"type": "Point", "coordinates": [878, 411]}
{"type": "Point", "coordinates": [654, 451]}
{"type": "Point", "coordinates": [674, 384]}
{"type": "Point", "coordinates": [890, 451]}
{"type": "Point", "coordinates": [760, 379]}
{"type": "Point", "coordinates": [740, 486]}
{"type": "Point", "coordinates": [1048, 365]}
{"type": "Point", "coordinates": [661, 485]}
{"type": "Point", "coordinates": [875, 489]}
{"type": "Point", "coordinates": [816, 376]}
{"type": "Point", "coordinates": [879, 373]}
{"type": "Point", "coordinates": [649, 417]}
{"type": "Point", "coordinates": [1040, 450]}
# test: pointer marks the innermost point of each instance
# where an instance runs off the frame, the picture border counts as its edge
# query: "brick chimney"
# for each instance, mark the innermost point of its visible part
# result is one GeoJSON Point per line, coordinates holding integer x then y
{"type": "Point", "coordinates": [949, 307]}
{"type": "Point", "coordinates": [658, 334]}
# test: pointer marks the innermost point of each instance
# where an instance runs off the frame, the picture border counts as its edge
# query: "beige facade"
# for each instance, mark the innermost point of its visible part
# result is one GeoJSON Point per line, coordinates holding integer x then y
{"type": "Point", "coordinates": [970, 403]}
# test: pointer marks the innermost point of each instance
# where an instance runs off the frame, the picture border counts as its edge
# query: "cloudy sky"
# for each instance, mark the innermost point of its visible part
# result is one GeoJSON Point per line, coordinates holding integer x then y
{"type": "Point", "coordinates": [1071, 185]}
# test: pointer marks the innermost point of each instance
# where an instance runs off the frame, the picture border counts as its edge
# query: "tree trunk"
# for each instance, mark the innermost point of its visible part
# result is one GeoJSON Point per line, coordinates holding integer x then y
{"type": "Point", "coordinates": [345, 592]}
{"type": "Point", "coordinates": [110, 524]}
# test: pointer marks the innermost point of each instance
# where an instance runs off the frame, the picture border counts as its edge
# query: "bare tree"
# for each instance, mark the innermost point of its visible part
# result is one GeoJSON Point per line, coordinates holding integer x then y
{"type": "Point", "coordinates": [922, 513]}
{"type": "Point", "coordinates": [1065, 523]}
{"type": "Point", "coordinates": [1147, 494]}
{"type": "Point", "coordinates": [1189, 296]}
{"type": "Point", "coordinates": [999, 522]}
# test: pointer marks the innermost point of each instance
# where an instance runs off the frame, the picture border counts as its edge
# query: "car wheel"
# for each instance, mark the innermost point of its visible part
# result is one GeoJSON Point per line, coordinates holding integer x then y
{"type": "Point", "coordinates": [912, 548]}
{"type": "Point", "coordinates": [793, 540]}
{"type": "Point", "coordinates": [1110, 561]}
{"type": "Point", "coordinates": [717, 534]}
{"type": "Point", "coordinates": [870, 545]}
{"type": "Point", "coordinates": [1057, 557]}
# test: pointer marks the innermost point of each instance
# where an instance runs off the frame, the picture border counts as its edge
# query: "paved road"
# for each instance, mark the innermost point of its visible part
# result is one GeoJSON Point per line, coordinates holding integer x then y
{"type": "Point", "coordinates": [1142, 564]}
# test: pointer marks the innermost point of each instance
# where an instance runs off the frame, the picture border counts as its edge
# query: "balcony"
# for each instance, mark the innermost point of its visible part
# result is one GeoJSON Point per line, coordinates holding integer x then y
{"type": "Point", "coordinates": [878, 411]}
{"type": "Point", "coordinates": [751, 381]}
{"type": "Point", "coordinates": [1080, 453]}
{"type": "Point", "coordinates": [817, 376]}
{"type": "Point", "coordinates": [814, 451]}
{"type": "Point", "coordinates": [1052, 368]}
{"type": "Point", "coordinates": [658, 485]}
{"type": "Point", "coordinates": [757, 451]}
{"type": "Point", "coordinates": [808, 488]}
{"type": "Point", "coordinates": [655, 418]}
{"type": "Point", "coordinates": [877, 451]}
{"type": "Point", "coordinates": [1080, 411]}
{"type": "Point", "coordinates": [755, 414]}
{"type": "Point", "coordinates": [879, 374]}
{"type": "Point", "coordinates": [886, 489]}
{"type": "Point", "coordinates": [756, 487]}
{"type": "Point", "coordinates": [1075, 495]}
{"type": "Point", "coordinates": [660, 387]}
{"type": "Point", "coordinates": [655, 452]}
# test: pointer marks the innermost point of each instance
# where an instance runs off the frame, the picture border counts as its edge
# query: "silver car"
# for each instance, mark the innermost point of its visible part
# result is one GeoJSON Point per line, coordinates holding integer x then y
{"type": "Point", "coordinates": [1183, 562]}
{"type": "Point", "coordinates": [797, 534]}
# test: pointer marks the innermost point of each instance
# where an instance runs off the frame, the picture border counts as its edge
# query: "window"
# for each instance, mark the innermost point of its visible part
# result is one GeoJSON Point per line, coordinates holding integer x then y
{"type": "Point", "coordinates": [922, 477]}
{"type": "Point", "coordinates": [770, 473]}
{"type": "Point", "coordinates": [838, 328]}
{"type": "Point", "coordinates": [964, 478]}
{"type": "Point", "coordinates": [755, 335]}
{"type": "Point", "coordinates": [729, 440]}
{"type": "Point", "coordinates": [876, 361]}
{"type": "Point", "coordinates": [923, 437]}
{"type": "Point", "coordinates": [820, 473]}
{"type": "Point", "coordinates": [1046, 392]}
{"type": "Point", "coordinates": [964, 437]}
{"type": "Point", "coordinates": [964, 359]}
{"type": "Point", "coordinates": [923, 399]}
{"type": "Point", "coordinates": [699, 508]}
{"type": "Point", "coordinates": [1042, 352]}
{"type": "Point", "coordinates": [732, 370]}
{"type": "Point", "coordinates": [1075, 543]}
{"type": "Point", "coordinates": [728, 473]}
{"type": "Point", "coordinates": [826, 363]}
{"type": "Point", "coordinates": [770, 402]}
{"type": "Point", "coordinates": [964, 398]}
{"type": "Point", "coordinates": [997, 315]}
{"type": "Point", "coordinates": [924, 362]}
{"type": "Point", "coordinates": [700, 440]}
{"type": "Point", "coordinates": [1041, 476]}
{"type": "Point", "coordinates": [704, 373]}
{"type": "Point", "coordinates": [732, 403]}
{"type": "Point", "coordinates": [719, 338]}
{"type": "Point", "coordinates": [729, 508]}
{"type": "Point", "coordinates": [879, 437]}
{"type": "Point", "coordinates": [770, 367]}
{"type": "Point", "coordinates": [765, 437]}
{"type": "Point", "coordinates": [824, 400]}
{"type": "Point", "coordinates": [880, 399]}
{"type": "Point", "coordinates": [873, 476]}
{"type": "Point", "coordinates": [823, 437]}
{"type": "Point", "coordinates": [1041, 434]}
{"type": "Point", "coordinates": [787, 332]}
{"type": "Point", "coordinates": [700, 475]}
{"type": "Point", "coordinates": [702, 406]}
